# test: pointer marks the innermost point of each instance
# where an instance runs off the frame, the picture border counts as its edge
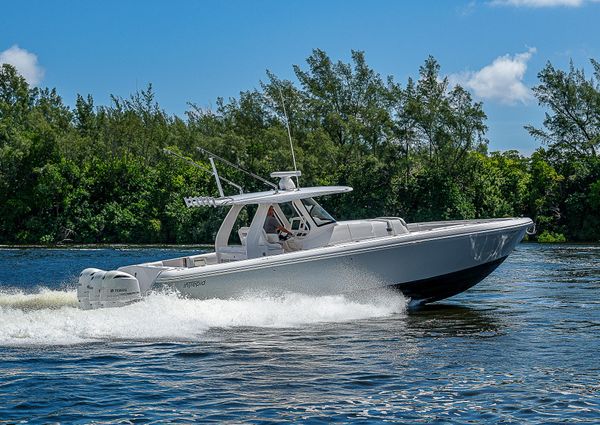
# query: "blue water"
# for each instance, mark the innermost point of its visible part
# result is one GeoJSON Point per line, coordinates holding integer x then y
{"type": "Point", "coordinates": [522, 346]}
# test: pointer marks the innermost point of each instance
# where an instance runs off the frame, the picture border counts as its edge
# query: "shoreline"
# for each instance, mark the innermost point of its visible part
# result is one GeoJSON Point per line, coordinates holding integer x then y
{"type": "Point", "coordinates": [202, 246]}
{"type": "Point", "coordinates": [107, 246]}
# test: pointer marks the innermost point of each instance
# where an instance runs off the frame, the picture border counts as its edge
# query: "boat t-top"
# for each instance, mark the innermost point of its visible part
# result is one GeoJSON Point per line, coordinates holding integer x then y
{"type": "Point", "coordinates": [292, 244]}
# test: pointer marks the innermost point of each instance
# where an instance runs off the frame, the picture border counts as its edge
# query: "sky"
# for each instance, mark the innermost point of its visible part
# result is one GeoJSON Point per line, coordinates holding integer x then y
{"type": "Point", "coordinates": [196, 51]}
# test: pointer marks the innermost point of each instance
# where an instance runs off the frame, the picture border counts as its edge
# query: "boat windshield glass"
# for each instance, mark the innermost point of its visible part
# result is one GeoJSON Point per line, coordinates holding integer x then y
{"type": "Point", "coordinates": [288, 210]}
{"type": "Point", "coordinates": [317, 212]}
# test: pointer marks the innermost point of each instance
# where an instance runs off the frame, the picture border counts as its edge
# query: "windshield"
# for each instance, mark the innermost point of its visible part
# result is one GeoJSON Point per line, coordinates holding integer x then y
{"type": "Point", "coordinates": [288, 210]}
{"type": "Point", "coordinates": [317, 212]}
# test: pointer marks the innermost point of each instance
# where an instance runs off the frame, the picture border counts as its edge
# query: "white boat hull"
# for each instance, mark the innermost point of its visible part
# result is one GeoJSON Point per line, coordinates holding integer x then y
{"type": "Point", "coordinates": [425, 266]}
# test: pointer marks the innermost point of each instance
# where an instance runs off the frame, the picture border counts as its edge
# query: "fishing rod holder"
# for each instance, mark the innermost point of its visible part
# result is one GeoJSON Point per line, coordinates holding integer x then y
{"type": "Point", "coordinates": [203, 201]}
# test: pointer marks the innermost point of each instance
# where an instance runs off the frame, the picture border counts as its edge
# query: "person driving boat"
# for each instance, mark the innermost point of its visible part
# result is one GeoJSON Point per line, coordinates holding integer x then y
{"type": "Point", "coordinates": [272, 226]}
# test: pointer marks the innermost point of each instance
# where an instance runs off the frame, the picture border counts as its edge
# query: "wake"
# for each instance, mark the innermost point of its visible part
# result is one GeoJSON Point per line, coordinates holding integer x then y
{"type": "Point", "coordinates": [51, 317]}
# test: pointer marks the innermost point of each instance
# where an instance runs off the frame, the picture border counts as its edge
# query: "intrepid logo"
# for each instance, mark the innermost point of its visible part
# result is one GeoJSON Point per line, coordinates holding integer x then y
{"type": "Point", "coordinates": [118, 290]}
{"type": "Point", "coordinates": [194, 284]}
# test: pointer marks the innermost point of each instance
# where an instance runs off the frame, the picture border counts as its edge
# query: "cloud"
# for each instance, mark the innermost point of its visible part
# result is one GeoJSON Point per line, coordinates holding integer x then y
{"type": "Point", "coordinates": [540, 3]}
{"type": "Point", "coordinates": [467, 9]}
{"type": "Point", "coordinates": [502, 80]}
{"type": "Point", "coordinates": [25, 62]}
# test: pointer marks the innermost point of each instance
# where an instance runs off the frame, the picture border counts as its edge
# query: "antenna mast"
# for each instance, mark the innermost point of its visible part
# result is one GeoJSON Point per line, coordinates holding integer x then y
{"type": "Point", "coordinates": [287, 125]}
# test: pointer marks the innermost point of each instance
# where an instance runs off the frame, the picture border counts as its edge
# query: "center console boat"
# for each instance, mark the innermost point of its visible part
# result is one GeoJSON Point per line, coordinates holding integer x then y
{"type": "Point", "coordinates": [315, 254]}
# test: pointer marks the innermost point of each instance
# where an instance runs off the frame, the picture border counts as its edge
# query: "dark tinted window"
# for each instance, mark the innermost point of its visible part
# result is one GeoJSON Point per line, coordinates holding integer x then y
{"type": "Point", "coordinates": [317, 212]}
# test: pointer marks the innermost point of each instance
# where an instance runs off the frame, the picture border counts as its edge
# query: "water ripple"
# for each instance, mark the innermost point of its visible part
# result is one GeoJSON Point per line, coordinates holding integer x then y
{"type": "Point", "coordinates": [519, 347]}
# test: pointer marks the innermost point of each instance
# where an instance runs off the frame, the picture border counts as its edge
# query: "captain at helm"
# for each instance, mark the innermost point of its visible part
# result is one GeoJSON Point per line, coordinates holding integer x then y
{"type": "Point", "coordinates": [273, 226]}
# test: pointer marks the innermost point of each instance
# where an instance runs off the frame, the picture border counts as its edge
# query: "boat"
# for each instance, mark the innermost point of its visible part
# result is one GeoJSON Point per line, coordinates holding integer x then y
{"type": "Point", "coordinates": [292, 244]}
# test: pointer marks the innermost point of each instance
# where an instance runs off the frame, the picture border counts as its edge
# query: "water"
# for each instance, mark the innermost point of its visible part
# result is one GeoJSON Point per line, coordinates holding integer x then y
{"type": "Point", "coordinates": [522, 346]}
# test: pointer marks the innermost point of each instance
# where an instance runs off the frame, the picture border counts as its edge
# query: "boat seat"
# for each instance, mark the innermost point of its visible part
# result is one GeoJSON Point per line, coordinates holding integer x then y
{"type": "Point", "coordinates": [272, 238]}
{"type": "Point", "coordinates": [232, 253]}
{"type": "Point", "coordinates": [271, 242]}
{"type": "Point", "coordinates": [340, 234]}
{"type": "Point", "coordinates": [269, 239]}
{"type": "Point", "coordinates": [268, 242]}
{"type": "Point", "coordinates": [360, 230]}
{"type": "Point", "coordinates": [191, 262]}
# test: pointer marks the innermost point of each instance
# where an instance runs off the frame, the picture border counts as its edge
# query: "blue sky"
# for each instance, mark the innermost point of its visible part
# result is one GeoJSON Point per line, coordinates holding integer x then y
{"type": "Point", "coordinates": [195, 51]}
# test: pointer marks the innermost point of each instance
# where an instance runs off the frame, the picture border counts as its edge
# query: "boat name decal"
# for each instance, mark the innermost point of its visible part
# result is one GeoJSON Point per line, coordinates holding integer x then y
{"type": "Point", "coordinates": [194, 284]}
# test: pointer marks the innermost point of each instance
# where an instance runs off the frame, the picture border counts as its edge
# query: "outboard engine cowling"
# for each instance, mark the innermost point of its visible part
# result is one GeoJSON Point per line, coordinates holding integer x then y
{"type": "Point", "coordinates": [95, 287]}
{"type": "Point", "coordinates": [119, 289]}
{"type": "Point", "coordinates": [83, 288]}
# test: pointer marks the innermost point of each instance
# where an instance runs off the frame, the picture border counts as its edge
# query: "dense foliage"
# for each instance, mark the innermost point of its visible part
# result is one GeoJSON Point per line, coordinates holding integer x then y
{"type": "Point", "coordinates": [98, 173]}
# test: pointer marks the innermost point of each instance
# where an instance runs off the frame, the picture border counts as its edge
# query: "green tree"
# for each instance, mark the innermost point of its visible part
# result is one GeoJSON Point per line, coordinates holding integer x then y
{"type": "Point", "coordinates": [572, 127]}
{"type": "Point", "coordinates": [572, 133]}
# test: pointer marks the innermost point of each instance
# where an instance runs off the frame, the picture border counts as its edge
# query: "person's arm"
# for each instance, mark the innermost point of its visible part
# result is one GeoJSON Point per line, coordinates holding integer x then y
{"type": "Point", "coordinates": [283, 229]}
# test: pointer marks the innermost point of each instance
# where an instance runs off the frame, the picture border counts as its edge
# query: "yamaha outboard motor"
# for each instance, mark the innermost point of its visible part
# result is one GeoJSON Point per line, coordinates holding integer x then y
{"type": "Point", "coordinates": [83, 288]}
{"type": "Point", "coordinates": [119, 289]}
{"type": "Point", "coordinates": [95, 286]}
{"type": "Point", "coordinates": [100, 289]}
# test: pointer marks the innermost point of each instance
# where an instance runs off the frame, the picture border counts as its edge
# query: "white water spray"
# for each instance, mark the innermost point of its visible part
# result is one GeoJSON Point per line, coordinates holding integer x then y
{"type": "Point", "coordinates": [51, 317]}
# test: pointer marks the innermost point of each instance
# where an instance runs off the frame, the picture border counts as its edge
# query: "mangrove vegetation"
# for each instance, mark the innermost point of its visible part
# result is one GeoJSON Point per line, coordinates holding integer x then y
{"type": "Point", "coordinates": [416, 149]}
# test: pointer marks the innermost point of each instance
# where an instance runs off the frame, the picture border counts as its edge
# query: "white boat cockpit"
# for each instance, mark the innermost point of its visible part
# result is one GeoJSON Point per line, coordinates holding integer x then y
{"type": "Point", "coordinates": [275, 228]}
{"type": "Point", "coordinates": [283, 220]}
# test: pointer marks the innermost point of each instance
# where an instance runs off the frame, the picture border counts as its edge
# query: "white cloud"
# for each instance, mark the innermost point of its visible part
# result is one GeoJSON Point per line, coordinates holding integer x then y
{"type": "Point", "coordinates": [467, 9]}
{"type": "Point", "coordinates": [502, 80]}
{"type": "Point", "coordinates": [25, 62]}
{"type": "Point", "coordinates": [539, 3]}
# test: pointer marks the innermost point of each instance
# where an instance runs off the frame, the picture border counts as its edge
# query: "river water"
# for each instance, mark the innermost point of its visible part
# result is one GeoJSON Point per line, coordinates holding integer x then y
{"type": "Point", "coordinates": [522, 346]}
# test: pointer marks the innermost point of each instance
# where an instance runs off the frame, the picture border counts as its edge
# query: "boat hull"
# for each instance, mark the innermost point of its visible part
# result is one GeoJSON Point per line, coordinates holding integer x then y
{"type": "Point", "coordinates": [424, 266]}
{"type": "Point", "coordinates": [447, 285]}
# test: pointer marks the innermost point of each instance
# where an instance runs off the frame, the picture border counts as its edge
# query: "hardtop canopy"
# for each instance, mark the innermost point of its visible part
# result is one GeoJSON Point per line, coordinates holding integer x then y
{"type": "Point", "coordinates": [267, 197]}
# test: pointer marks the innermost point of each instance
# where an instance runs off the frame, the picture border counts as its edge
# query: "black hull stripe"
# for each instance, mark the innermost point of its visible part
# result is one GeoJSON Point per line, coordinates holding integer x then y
{"type": "Point", "coordinates": [439, 287]}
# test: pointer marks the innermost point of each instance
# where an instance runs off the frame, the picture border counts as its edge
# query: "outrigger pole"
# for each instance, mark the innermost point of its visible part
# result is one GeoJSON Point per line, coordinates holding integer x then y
{"type": "Point", "coordinates": [208, 170]}
{"type": "Point", "coordinates": [237, 167]}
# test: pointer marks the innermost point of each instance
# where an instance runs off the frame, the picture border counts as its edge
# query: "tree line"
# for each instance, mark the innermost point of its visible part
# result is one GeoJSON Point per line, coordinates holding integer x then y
{"type": "Point", "coordinates": [98, 173]}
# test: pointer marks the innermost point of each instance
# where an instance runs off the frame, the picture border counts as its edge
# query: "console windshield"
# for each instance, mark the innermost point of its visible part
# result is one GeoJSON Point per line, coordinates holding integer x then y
{"type": "Point", "coordinates": [317, 212]}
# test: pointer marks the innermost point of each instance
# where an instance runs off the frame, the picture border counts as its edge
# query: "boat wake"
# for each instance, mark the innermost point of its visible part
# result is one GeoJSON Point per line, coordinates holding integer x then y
{"type": "Point", "coordinates": [51, 317]}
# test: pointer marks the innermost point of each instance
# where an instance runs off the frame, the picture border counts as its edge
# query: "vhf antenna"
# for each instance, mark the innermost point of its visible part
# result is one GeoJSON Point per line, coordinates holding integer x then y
{"type": "Point", "coordinates": [237, 167]}
{"type": "Point", "coordinates": [287, 125]}
{"type": "Point", "coordinates": [208, 170]}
